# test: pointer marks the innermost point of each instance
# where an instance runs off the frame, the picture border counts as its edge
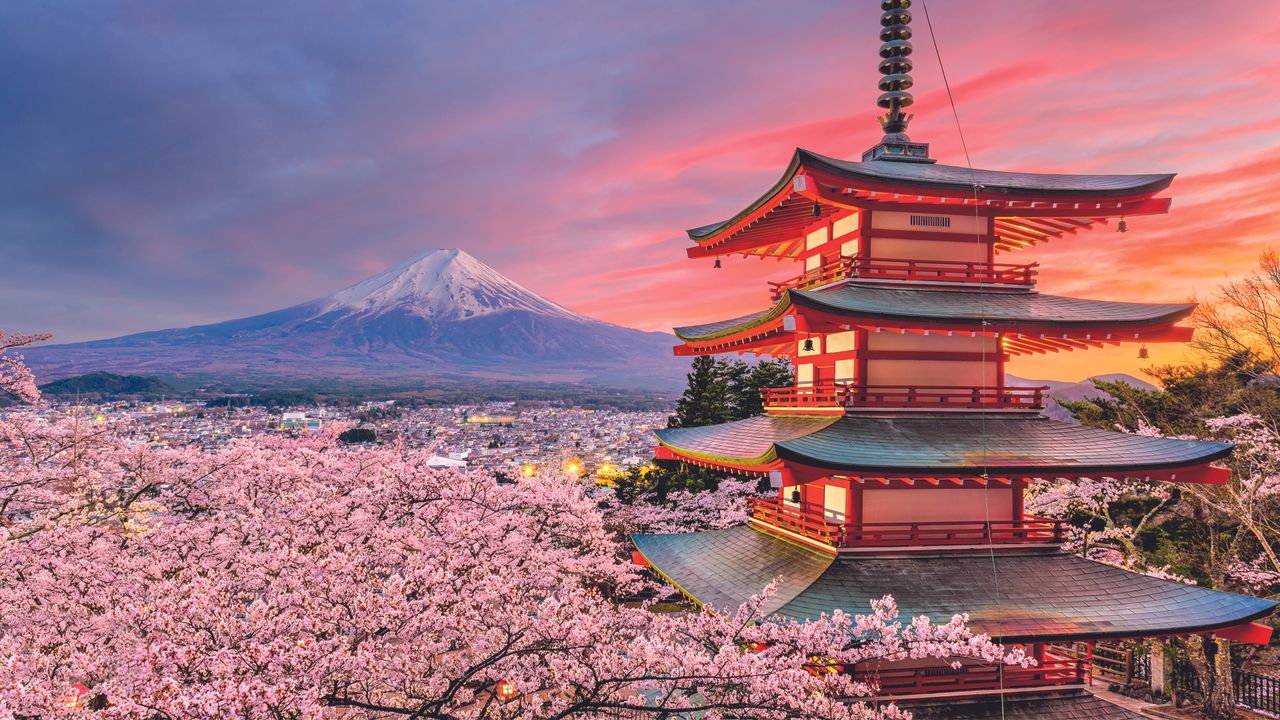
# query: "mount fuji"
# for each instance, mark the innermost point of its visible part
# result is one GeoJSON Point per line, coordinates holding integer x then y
{"type": "Point", "coordinates": [440, 316]}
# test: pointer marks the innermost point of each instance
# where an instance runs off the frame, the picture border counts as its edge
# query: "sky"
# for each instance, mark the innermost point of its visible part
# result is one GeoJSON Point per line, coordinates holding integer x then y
{"type": "Point", "coordinates": [175, 163]}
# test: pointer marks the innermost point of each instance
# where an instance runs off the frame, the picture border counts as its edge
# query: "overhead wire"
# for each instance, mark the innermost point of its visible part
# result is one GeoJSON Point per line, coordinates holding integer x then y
{"type": "Point", "coordinates": [986, 322]}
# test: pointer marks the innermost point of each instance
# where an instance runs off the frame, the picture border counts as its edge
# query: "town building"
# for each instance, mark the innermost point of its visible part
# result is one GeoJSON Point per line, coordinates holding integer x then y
{"type": "Point", "coordinates": [900, 455]}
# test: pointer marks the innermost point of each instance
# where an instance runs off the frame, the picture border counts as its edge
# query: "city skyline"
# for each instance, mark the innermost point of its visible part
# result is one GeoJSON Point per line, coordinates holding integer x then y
{"type": "Point", "coordinates": [192, 167]}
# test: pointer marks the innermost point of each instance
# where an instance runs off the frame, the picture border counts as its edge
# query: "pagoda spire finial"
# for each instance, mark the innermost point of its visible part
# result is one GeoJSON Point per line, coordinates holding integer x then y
{"type": "Point", "coordinates": [895, 86]}
{"type": "Point", "coordinates": [895, 65]}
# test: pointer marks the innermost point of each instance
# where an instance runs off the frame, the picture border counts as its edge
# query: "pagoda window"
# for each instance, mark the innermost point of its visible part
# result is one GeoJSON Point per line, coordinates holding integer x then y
{"type": "Point", "coordinates": [835, 503]}
{"type": "Point", "coordinates": [932, 360]}
{"type": "Point", "coordinates": [890, 248]}
{"type": "Point", "coordinates": [846, 371]}
{"type": "Point", "coordinates": [845, 225]}
{"type": "Point", "coordinates": [919, 505]}
{"type": "Point", "coordinates": [804, 375]}
{"type": "Point", "coordinates": [966, 224]}
{"type": "Point", "coordinates": [816, 239]}
{"type": "Point", "coordinates": [842, 341]}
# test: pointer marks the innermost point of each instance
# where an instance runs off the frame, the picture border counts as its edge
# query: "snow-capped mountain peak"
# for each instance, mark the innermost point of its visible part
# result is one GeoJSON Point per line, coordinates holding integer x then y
{"type": "Point", "coordinates": [442, 285]}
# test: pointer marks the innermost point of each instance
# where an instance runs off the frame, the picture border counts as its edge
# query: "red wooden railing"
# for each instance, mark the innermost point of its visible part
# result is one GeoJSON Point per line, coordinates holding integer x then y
{"type": "Point", "coordinates": [910, 270]}
{"type": "Point", "coordinates": [1029, 530]}
{"type": "Point", "coordinates": [1052, 671]}
{"type": "Point", "coordinates": [906, 396]}
{"type": "Point", "coordinates": [781, 516]}
{"type": "Point", "coordinates": [944, 271]}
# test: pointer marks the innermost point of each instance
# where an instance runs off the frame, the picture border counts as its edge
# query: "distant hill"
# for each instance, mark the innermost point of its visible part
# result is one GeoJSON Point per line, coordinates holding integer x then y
{"type": "Point", "coordinates": [1083, 390]}
{"type": "Point", "coordinates": [105, 383]}
{"type": "Point", "coordinates": [441, 318]}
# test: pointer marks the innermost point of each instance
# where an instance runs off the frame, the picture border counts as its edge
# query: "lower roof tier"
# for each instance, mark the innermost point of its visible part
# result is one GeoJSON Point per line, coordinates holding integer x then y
{"type": "Point", "coordinates": [1029, 312]}
{"type": "Point", "coordinates": [1015, 596]}
{"type": "Point", "coordinates": [934, 444]}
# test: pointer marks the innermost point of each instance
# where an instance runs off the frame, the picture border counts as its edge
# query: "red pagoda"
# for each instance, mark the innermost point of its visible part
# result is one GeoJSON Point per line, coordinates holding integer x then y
{"type": "Point", "coordinates": [900, 454]}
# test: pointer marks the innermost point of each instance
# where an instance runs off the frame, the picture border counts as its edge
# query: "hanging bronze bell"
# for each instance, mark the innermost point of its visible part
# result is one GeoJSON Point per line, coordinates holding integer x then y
{"type": "Point", "coordinates": [1143, 354]}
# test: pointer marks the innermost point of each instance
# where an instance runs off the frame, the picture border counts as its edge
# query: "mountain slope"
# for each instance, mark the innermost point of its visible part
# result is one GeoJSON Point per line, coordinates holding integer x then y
{"type": "Point", "coordinates": [1083, 390]}
{"type": "Point", "coordinates": [439, 316]}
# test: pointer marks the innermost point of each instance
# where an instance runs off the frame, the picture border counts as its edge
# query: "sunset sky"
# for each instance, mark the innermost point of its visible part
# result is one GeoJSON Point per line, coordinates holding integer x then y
{"type": "Point", "coordinates": [169, 164]}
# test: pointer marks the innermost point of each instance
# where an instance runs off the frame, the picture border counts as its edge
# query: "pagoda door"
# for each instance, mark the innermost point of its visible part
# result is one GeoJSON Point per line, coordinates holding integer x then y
{"type": "Point", "coordinates": [834, 502]}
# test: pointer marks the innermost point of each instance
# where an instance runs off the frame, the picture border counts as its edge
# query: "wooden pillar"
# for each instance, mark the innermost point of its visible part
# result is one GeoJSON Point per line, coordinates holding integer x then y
{"type": "Point", "coordinates": [991, 238]}
{"type": "Point", "coordinates": [864, 241]}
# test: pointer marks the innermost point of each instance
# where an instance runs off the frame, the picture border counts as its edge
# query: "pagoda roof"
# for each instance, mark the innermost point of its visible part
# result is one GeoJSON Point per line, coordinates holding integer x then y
{"type": "Point", "coordinates": [1040, 595]}
{"type": "Point", "coordinates": [839, 184]}
{"type": "Point", "coordinates": [937, 444]}
{"type": "Point", "coordinates": [951, 307]}
{"type": "Point", "coordinates": [953, 178]}
{"type": "Point", "coordinates": [1075, 704]}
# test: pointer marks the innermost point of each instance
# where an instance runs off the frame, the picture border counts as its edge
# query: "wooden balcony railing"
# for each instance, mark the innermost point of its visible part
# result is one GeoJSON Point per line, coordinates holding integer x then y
{"type": "Point", "coordinates": [1050, 672]}
{"type": "Point", "coordinates": [906, 396]}
{"type": "Point", "coordinates": [775, 513]}
{"type": "Point", "coordinates": [910, 270]}
{"type": "Point", "coordinates": [1029, 530]}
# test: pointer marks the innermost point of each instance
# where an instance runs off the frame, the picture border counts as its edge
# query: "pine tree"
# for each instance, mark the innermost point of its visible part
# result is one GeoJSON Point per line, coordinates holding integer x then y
{"type": "Point", "coordinates": [764, 374]}
{"type": "Point", "coordinates": [706, 398]}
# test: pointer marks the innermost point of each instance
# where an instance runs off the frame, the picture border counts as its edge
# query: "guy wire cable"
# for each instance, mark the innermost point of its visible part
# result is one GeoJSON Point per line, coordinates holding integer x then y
{"type": "Point", "coordinates": [982, 315]}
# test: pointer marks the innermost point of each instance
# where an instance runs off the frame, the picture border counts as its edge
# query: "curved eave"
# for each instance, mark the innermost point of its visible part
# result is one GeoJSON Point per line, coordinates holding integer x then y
{"type": "Point", "coordinates": [1044, 595]}
{"type": "Point", "coordinates": [758, 463]}
{"type": "Point", "coordinates": [733, 326]}
{"type": "Point", "coordinates": [996, 465]}
{"type": "Point", "coordinates": [742, 444]}
{"type": "Point", "coordinates": [995, 183]}
{"type": "Point", "coordinates": [924, 445]}
{"type": "Point", "coordinates": [935, 180]}
{"type": "Point", "coordinates": [706, 233]}
{"type": "Point", "coordinates": [988, 312]}
{"type": "Point", "coordinates": [842, 306]}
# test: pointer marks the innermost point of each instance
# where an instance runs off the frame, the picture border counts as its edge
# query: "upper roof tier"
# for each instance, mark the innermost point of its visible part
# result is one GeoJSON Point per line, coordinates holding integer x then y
{"type": "Point", "coordinates": [1060, 319]}
{"type": "Point", "coordinates": [1043, 595]}
{"type": "Point", "coordinates": [943, 445]}
{"type": "Point", "coordinates": [838, 186]}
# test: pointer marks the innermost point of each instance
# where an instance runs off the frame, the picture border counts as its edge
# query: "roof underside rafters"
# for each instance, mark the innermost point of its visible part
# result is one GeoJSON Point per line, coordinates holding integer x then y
{"type": "Point", "coordinates": [1199, 474]}
{"type": "Point", "coordinates": [1024, 322]}
{"type": "Point", "coordinates": [971, 448]}
{"type": "Point", "coordinates": [1050, 207]}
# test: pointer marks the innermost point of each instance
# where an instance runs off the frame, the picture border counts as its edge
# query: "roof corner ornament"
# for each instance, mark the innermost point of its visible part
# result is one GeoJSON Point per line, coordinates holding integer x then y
{"type": "Point", "coordinates": [895, 86]}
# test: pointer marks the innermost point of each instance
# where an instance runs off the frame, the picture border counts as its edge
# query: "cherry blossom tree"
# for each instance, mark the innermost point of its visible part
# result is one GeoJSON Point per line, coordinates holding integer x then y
{"type": "Point", "coordinates": [1237, 521]}
{"type": "Point", "coordinates": [683, 510]}
{"type": "Point", "coordinates": [16, 378]}
{"type": "Point", "coordinates": [296, 578]}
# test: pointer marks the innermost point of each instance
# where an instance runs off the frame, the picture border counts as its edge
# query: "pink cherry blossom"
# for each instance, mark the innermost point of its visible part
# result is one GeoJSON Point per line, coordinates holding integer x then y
{"type": "Point", "coordinates": [299, 578]}
{"type": "Point", "coordinates": [15, 377]}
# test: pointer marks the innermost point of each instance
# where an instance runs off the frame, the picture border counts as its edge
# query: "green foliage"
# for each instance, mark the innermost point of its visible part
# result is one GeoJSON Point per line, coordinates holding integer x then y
{"type": "Point", "coordinates": [108, 384]}
{"type": "Point", "coordinates": [1193, 537]}
{"type": "Point", "coordinates": [357, 435]}
{"type": "Point", "coordinates": [722, 390]}
{"type": "Point", "coordinates": [719, 390]}
{"type": "Point", "coordinates": [1191, 395]}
